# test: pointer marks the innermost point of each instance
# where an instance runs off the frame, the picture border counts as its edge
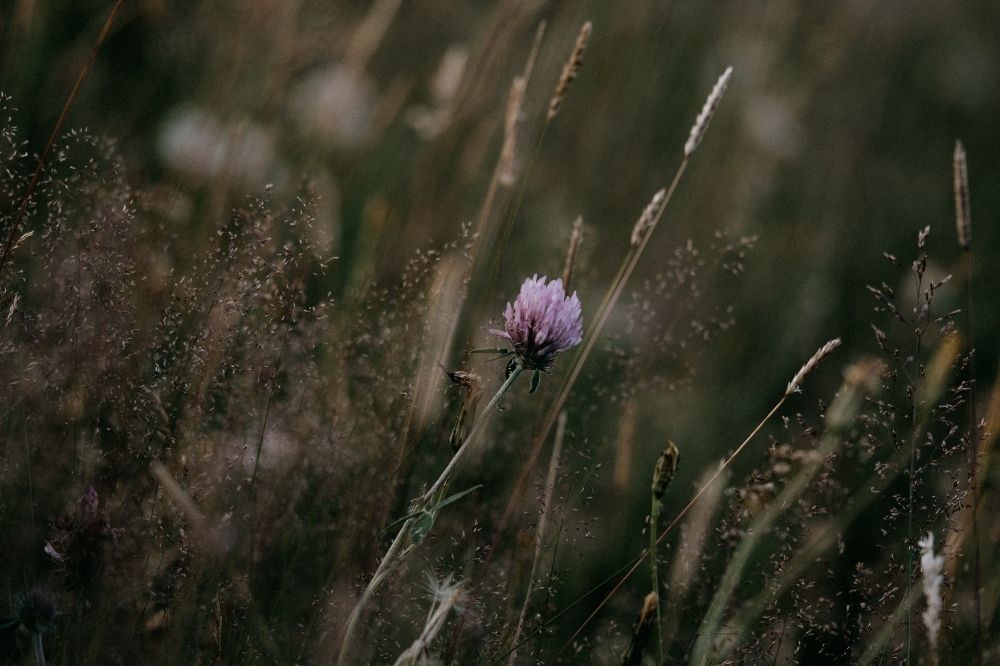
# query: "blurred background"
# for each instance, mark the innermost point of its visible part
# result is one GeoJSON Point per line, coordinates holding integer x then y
{"type": "Point", "coordinates": [832, 146]}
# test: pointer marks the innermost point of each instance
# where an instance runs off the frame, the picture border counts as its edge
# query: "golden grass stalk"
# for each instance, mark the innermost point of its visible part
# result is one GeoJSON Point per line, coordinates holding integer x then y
{"type": "Point", "coordinates": [963, 216]}
{"type": "Point", "coordinates": [570, 70]}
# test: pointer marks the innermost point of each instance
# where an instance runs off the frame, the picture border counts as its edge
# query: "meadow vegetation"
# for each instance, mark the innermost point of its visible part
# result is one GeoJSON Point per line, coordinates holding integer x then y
{"type": "Point", "coordinates": [293, 368]}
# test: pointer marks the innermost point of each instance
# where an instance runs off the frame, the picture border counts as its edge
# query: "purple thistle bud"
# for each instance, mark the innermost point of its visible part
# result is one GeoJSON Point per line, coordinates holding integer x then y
{"type": "Point", "coordinates": [542, 322]}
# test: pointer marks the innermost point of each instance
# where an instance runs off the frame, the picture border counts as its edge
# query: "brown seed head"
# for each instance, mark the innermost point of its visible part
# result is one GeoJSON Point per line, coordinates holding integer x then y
{"type": "Point", "coordinates": [666, 467]}
{"type": "Point", "coordinates": [649, 215]}
{"type": "Point", "coordinates": [570, 70]}
{"type": "Point", "coordinates": [821, 353]}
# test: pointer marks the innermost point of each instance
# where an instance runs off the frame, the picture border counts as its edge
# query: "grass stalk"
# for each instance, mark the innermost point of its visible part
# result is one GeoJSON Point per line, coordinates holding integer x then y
{"type": "Point", "coordinates": [963, 228]}
{"type": "Point", "coordinates": [793, 387]}
{"type": "Point", "coordinates": [646, 227]}
{"type": "Point", "coordinates": [396, 553]}
{"type": "Point", "coordinates": [840, 416]}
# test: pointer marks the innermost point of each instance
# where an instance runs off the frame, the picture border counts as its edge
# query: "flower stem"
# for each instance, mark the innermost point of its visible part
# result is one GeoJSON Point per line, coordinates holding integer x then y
{"type": "Point", "coordinates": [396, 552]}
{"type": "Point", "coordinates": [36, 639]}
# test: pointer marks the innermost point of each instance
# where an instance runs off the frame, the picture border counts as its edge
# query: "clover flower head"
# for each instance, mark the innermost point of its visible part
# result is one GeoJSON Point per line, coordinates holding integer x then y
{"type": "Point", "coordinates": [542, 322]}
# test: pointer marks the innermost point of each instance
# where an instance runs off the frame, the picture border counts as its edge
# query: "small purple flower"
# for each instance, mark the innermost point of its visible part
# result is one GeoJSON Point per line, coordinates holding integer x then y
{"type": "Point", "coordinates": [542, 322]}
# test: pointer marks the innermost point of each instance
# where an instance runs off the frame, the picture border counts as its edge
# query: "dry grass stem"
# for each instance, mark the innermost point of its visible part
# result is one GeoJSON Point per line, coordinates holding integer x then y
{"type": "Point", "coordinates": [963, 216]}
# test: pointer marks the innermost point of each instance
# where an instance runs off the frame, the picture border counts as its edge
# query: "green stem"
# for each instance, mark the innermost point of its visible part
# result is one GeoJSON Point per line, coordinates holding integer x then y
{"type": "Point", "coordinates": [36, 639]}
{"type": "Point", "coordinates": [396, 553]}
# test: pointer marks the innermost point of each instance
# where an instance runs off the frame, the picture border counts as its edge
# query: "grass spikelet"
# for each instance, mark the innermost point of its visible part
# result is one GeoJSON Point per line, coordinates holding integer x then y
{"type": "Point", "coordinates": [796, 384]}
{"type": "Point", "coordinates": [707, 111]}
{"type": "Point", "coordinates": [649, 215]}
{"type": "Point", "coordinates": [963, 216]}
{"type": "Point", "coordinates": [570, 70]}
{"type": "Point", "coordinates": [575, 237]}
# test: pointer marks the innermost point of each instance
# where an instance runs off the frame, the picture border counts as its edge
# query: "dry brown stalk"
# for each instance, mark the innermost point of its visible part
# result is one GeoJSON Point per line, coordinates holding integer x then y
{"type": "Point", "coordinates": [963, 216]}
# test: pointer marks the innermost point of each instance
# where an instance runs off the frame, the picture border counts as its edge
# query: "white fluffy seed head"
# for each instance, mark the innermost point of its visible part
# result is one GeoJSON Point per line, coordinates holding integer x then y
{"type": "Point", "coordinates": [931, 568]}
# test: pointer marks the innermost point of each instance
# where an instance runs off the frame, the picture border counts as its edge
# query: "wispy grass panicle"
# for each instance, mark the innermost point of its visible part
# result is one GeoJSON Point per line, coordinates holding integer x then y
{"type": "Point", "coordinates": [707, 111]}
{"type": "Point", "coordinates": [570, 70]}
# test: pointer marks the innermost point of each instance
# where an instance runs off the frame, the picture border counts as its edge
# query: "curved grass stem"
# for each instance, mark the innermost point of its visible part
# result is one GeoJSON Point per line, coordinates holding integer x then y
{"type": "Point", "coordinates": [397, 553]}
